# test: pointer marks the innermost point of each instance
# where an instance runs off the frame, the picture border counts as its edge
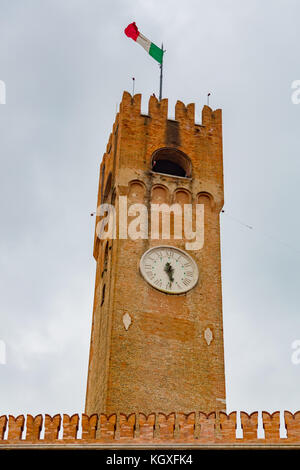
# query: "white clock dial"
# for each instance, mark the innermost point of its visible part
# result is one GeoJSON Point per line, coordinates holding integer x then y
{"type": "Point", "coordinates": [169, 269]}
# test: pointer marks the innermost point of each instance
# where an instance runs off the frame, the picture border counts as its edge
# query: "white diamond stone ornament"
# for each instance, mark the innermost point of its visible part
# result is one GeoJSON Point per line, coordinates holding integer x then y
{"type": "Point", "coordinates": [208, 336]}
{"type": "Point", "coordinates": [126, 320]}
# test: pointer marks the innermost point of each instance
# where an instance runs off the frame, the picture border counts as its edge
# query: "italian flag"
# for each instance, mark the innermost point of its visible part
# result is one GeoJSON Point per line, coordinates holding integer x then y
{"type": "Point", "coordinates": [132, 32]}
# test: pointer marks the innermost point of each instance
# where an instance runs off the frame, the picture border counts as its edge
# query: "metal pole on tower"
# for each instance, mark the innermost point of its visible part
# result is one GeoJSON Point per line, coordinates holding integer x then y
{"type": "Point", "coordinates": [161, 75]}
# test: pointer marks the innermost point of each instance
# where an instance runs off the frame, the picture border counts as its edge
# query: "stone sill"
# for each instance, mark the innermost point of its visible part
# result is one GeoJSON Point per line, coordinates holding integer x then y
{"type": "Point", "coordinates": [184, 178]}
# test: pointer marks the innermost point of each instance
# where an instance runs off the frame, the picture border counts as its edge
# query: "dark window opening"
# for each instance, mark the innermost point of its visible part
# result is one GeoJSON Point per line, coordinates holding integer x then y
{"type": "Point", "coordinates": [171, 161]}
{"type": "Point", "coordinates": [168, 167]}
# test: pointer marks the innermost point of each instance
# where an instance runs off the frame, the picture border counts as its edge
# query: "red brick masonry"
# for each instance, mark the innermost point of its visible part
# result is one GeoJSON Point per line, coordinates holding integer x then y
{"type": "Point", "coordinates": [196, 428]}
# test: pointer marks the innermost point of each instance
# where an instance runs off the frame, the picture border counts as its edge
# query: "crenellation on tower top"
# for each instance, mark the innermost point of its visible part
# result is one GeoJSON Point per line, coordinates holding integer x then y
{"type": "Point", "coordinates": [185, 114]}
{"type": "Point", "coordinates": [136, 102]}
{"type": "Point", "coordinates": [126, 100]}
{"type": "Point", "coordinates": [130, 104]}
{"type": "Point", "coordinates": [130, 107]}
{"type": "Point", "coordinates": [158, 109]}
{"type": "Point", "coordinates": [210, 117]}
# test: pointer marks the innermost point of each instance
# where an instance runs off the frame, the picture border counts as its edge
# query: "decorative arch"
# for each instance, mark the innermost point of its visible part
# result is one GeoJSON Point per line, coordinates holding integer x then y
{"type": "Point", "coordinates": [136, 190]}
{"type": "Point", "coordinates": [206, 199]}
{"type": "Point", "coordinates": [172, 162]}
{"type": "Point", "coordinates": [182, 196]}
{"type": "Point", "coordinates": [160, 194]}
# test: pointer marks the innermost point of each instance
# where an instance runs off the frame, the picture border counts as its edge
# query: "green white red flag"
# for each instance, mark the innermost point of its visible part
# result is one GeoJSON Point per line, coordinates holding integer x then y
{"type": "Point", "coordinates": [156, 52]}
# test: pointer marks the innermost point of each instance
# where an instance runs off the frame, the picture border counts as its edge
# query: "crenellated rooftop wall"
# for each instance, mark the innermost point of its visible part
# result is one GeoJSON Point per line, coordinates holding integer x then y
{"type": "Point", "coordinates": [196, 428]}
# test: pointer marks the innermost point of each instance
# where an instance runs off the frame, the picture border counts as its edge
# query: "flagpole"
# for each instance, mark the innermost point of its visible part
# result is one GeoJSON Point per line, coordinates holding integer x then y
{"type": "Point", "coordinates": [161, 75]}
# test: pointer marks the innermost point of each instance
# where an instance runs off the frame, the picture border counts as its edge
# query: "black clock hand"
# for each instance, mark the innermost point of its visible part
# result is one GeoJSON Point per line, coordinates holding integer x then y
{"type": "Point", "coordinates": [169, 270]}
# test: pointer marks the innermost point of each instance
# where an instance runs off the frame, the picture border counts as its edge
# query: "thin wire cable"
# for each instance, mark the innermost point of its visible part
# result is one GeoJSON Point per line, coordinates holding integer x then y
{"type": "Point", "coordinates": [277, 240]}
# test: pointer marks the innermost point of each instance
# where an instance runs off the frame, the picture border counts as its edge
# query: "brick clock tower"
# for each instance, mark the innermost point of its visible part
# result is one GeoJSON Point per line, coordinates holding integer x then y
{"type": "Point", "coordinates": [157, 335]}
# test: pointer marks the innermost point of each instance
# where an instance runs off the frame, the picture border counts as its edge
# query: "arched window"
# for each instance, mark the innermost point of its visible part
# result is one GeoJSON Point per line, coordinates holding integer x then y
{"type": "Point", "coordinates": [172, 162]}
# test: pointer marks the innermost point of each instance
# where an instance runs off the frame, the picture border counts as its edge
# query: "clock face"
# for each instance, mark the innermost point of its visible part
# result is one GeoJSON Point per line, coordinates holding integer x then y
{"type": "Point", "coordinates": [169, 269]}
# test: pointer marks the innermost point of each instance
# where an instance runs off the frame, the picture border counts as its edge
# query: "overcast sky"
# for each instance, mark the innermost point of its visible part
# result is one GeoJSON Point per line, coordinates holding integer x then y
{"type": "Point", "coordinates": [65, 64]}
